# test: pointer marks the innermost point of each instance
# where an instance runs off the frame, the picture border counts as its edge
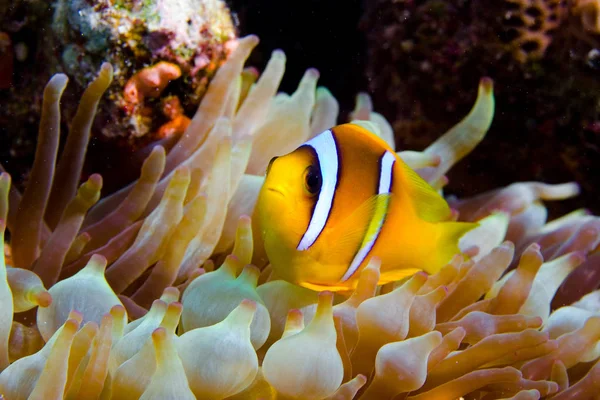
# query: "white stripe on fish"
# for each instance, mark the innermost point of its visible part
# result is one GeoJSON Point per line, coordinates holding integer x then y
{"type": "Point", "coordinates": [386, 170]}
{"type": "Point", "coordinates": [327, 156]}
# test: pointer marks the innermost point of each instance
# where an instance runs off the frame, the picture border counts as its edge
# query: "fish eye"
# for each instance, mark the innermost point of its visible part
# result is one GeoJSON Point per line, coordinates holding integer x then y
{"type": "Point", "coordinates": [313, 179]}
{"type": "Point", "coordinates": [270, 163]}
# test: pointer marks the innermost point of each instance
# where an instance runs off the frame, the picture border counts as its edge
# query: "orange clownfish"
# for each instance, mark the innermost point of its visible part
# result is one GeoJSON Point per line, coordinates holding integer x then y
{"type": "Point", "coordinates": [343, 197]}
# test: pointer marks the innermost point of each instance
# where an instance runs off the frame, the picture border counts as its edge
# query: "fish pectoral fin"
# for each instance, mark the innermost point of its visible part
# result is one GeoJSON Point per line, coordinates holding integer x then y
{"type": "Point", "coordinates": [447, 244]}
{"type": "Point", "coordinates": [319, 287]}
{"type": "Point", "coordinates": [345, 238]}
{"type": "Point", "coordinates": [430, 206]}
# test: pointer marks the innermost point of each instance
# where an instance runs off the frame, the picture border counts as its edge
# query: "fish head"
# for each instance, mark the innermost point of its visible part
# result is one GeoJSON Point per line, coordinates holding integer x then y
{"type": "Point", "coordinates": [285, 204]}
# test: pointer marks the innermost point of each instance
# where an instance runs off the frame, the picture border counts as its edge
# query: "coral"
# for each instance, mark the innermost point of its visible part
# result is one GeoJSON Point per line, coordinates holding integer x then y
{"type": "Point", "coordinates": [76, 37]}
{"type": "Point", "coordinates": [150, 82]}
{"type": "Point", "coordinates": [148, 46]}
{"type": "Point", "coordinates": [125, 296]}
{"type": "Point", "coordinates": [178, 121]}
{"type": "Point", "coordinates": [589, 11]}
{"type": "Point", "coordinates": [530, 25]}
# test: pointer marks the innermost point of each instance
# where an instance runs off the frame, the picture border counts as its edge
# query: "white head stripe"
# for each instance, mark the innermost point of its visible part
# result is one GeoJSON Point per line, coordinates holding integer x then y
{"type": "Point", "coordinates": [385, 176]}
{"type": "Point", "coordinates": [326, 149]}
{"type": "Point", "coordinates": [385, 183]}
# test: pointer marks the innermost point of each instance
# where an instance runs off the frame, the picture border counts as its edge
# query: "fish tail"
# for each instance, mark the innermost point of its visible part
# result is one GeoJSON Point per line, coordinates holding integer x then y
{"type": "Point", "coordinates": [447, 244]}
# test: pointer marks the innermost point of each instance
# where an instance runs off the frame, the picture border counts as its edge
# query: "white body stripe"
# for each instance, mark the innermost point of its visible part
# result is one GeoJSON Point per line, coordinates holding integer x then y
{"type": "Point", "coordinates": [385, 183]}
{"type": "Point", "coordinates": [326, 149]}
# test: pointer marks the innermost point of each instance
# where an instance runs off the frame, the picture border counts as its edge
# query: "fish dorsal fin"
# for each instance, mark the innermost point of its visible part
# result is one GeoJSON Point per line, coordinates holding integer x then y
{"type": "Point", "coordinates": [373, 131]}
{"type": "Point", "coordinates": [430, 206]}
{"type": "Point", "coordinates": [344, 239]}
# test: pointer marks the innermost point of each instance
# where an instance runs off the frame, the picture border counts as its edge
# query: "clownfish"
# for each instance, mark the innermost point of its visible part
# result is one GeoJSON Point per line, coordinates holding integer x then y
{"type": "Point", "coordinates": [343, 197]}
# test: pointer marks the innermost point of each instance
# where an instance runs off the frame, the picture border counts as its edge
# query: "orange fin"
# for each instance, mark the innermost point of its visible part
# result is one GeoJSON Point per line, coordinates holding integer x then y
{"type": "Point", "coordinates": [429, 205]}
{"type": "Point", "coordinates": [372, 132]}
{"type": "Point", "coordinates": [447, 244]}
{"type": "Point", "coordinates": [344, 239]}
{"type": "Point", "coordinates": [319, 287]}
{"type": "Point", "coordinates": [395, 275]}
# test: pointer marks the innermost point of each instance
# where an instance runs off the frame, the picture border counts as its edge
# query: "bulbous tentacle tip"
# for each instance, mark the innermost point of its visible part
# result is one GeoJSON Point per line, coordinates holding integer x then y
{"type": "Point", "coordinates": [249, 275]}
{"type": "Point", "coordinates": [508, 245]}
{"type": "Point", "coordinates": [364, 100]}
{"type": "Point", "coordinates": [294, 315]}
{"type": "Point", "coordinates": [248, 305]}
{"type": "Point", "coordinates": [323, 92]}
{"type": "Point", "coordinates": [107, 70]}
{"type": "Point", "coordinates": [97, 263]}
{"type": "Point", "coordinates": [42, 298]}
{"type": "Point", "coordinates": [325, 298]}
{"type": "Point", "coordinates": [231, 266]}
{"type": "Point", "coordinates": [576, 258]}
{"type": "Point", "coordinates": [174, 309]}
{"type": "Point", "coordinates": [170, 294]}
{"type": "Point", "coordinates": [471, 251]}
{"type": "Point", "coordinates": [312, 74]}
{"type": "Point", "coordinates": [487, 84]}
{"type": "Point", "coordinates": [106, 66]}
{"type": "Point", "coordinates": [251, 39]}
{"type": "Point", "coordinates": [58, 81]}
{"type": "Point", "coordinates": [156, 150]}
{"type": "Point", "coordinates": [71, 325]}
{"type": "Point", "coordinates": [294, 322]}
{"type": "Point", "coordinates": [278, 53]}
{"type": "Point", "coordinates": [117, 311]}
{"type": "Point", "coordinates": [242, 315]}
{"type": "Point", "coordinates": [417, 280]}
{"type": "Point", "coordinates": [95, 180]}
{"type": "Point", "coordinates": [158, 305]}
{"type": "Point", "coordinates": [159, 335]}
{"type": "Point", "coordinates": [533, 248]}
{"type": "Point", "coordinates": [4, 178]}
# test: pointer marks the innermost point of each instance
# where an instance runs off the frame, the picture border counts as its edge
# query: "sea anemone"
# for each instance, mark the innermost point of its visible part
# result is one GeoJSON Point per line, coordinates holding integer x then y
{"type": "Point", "coordinates": [162, 291]}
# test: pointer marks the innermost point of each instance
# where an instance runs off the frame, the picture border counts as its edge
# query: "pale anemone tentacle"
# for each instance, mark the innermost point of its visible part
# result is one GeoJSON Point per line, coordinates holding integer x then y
{"type": "Point", "coordinates": [77, 247]}
{"type": "Point", "coordinates": [51, 259]}
{"type": "Point", "coordinates": [132, 206]}
{"type": "Point", "coordinates": [461, 344]}
{"type": "Point", "coordinates": [70, 165]}
{"type": "Point", "coordinates": [286, 126]}
{"type": "Point", "coordinates": [363, 111]}
{"type": "Point", "coordinates": [133, 376]}
{"type": "Point", "coordinates": [325, 113]}
{"type": "Point", "coordinates": [464, 136]}
{"type": "Point", "coordinates": [29, 224]}
{"type": "Point", "coordinates": [88, 289]}
{"type": "Point", "coordinates": [153, 235]}
{"type": "Point", "coordinates": [27, 289]}
{"type": "Point", "coordinates": [11, 198]}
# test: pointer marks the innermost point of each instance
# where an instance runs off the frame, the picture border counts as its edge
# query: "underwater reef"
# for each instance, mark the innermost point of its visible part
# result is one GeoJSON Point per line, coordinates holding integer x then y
{"type": "Point", "coordinates": [163, 54]}
{"type": "Point", "coordinates": [149, 44]}
{"type": "Point", "coordinates": [543, 56]}
{"type": "Point", "coordinates": [161, 290]}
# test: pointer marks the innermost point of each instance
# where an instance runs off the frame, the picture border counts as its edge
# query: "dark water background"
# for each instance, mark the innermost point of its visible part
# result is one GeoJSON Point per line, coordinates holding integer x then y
{"type": "Point", "coordinates": [314, 34]}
